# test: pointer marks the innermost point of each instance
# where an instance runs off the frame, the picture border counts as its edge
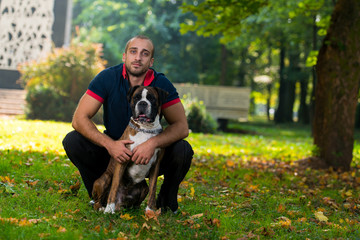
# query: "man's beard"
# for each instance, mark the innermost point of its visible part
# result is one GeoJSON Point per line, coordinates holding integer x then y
{"type": "Point", "coordinates": [137, 73]}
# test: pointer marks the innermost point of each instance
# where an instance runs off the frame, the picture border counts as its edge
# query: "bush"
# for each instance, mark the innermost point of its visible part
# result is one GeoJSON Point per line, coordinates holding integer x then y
{"type": "Point", "coordinates": [55, 83]}
{"type": "Point", "coordinates": [199, 119]}
{"type": "Point", "coordinates": [46, 104]}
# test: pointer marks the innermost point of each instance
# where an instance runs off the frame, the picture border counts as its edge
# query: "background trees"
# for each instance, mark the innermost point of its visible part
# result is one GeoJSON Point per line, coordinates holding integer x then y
{"type": "Point", "coordinates": [231, 43]}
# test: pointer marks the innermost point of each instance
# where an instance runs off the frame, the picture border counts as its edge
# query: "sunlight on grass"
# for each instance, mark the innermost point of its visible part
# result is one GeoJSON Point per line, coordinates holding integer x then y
{"type": "Point", "coordinates": [245, 146]}
{"type": "Point", "coordinates": [240, 186]}
{"type": "Point", "coordinates": [32, 135]}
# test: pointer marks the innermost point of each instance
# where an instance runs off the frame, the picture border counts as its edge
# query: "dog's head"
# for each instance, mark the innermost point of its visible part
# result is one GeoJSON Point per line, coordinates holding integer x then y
{"type": "Point", "coordinates": [145, 103]}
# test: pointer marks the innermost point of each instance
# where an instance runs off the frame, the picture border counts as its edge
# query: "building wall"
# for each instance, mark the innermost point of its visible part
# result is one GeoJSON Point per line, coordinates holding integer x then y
{"type": "Point", "coordinates": [29, 29]}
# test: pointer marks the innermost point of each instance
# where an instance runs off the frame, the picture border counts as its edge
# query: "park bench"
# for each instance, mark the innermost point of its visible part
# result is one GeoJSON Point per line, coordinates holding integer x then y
{"type": "Point", "coordinates": [222, 102]}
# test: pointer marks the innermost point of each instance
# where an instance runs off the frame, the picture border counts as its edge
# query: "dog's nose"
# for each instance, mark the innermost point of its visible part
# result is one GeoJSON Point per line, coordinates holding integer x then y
{"type": "Point", "coordinates": [143, 104]}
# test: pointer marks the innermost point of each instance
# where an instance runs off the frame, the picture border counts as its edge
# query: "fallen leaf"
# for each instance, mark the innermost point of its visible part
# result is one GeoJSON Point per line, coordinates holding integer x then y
{"type": "Point", "coordinates": [24, 222]}
{"type": "Point", "coordinates": [283, 222]}
{"type": "Point", "coordinates": [151, 214]}
{"type": "Point", "coordinates": [144, 226]}
{"type": "Point", "coordinates": [44, 235]}
{"type": "Point", "coordinates": [301, 220]}
{"type": "Point", "coordinates": [97, 228]}
{"type": "Point", "coordinates": [7, 180]}
{"type": "Point", "coordinates": [61, 229]}
{"type": "Point", "coordinates": [75, 188]}
{"type": "Point", "coordinates": [126, 216]}
{"type": "Point", "coordinates": [321, 217]}
{"type": "Point", "coordinates": [197, 215]}
{"type": "Point", "coordinates": [192, 192]}
{"type": "Point", "coordinates": [31, 183]}
{"type": "Point", "coordinates": [230, 163]}
{"type": "Point", "coordinates": [281, 208]}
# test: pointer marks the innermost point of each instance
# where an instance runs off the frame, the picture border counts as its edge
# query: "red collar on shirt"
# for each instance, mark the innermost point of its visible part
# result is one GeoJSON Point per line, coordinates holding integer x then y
{"type": "Point", "coordinates": [149, 77]}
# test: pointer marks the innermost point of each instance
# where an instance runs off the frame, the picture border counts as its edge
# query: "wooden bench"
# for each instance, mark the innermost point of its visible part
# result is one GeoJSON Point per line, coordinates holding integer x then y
{"type": "Point", "coordinates": [222, 102]}
{"type": "Point", "coordinates": [12, 101]}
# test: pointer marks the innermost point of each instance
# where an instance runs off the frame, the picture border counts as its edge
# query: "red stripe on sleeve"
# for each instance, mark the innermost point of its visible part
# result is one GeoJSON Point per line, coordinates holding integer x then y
{"type": "Point", "coordinates": [94, 95]}
{"type": "Point", "coordinates": [172, 102]}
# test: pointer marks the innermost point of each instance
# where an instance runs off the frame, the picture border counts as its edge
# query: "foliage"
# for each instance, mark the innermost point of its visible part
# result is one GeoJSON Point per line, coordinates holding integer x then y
{"type": "Point", "coordinates": [56, 82]}
{"type": "Point", "coordinates": [199, 119]}
{"type": "Point", "coordinates": [182, 58]}
{"type": "Point", "coordinates": [262, 29]}
{"type": "Point", "coordinates": [67, 70]}
{"type": "Point", "coordinates": [220, 17]}
{"type": "Point", "coordinates": [43, 102]}
{"type": "Point", "coordinates": [236, 189]}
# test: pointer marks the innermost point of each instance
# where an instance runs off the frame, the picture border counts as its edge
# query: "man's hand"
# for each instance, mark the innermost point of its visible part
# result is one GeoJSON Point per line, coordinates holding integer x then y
{"type": "Point", "coordinates": [143, 153]}
{"type": "Point", "coordinates": [119, 151]}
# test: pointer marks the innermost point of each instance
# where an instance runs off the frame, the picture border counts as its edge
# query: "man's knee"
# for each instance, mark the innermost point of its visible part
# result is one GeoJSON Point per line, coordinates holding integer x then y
{"type": "Point", "coordinates": [180, 153]}
{"type": "Point", "coordinates": [187, 151]}
{"type": "Point", "coordinates": [71, 140]}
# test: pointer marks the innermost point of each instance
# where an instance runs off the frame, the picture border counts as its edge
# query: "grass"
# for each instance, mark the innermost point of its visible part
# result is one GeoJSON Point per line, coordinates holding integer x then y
{"type": "Point", "coordinates": [240, 186]}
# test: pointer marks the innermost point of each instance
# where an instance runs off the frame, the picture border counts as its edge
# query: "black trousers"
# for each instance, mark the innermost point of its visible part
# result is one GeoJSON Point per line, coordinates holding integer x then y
{"type": "Point", "coordinates": [92, 161]}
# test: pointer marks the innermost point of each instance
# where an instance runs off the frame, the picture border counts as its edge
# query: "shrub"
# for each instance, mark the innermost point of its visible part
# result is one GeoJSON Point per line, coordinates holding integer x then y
{"type": "Point", "coordinates": [199, 119]}
{"type": "Point", "coordinates": [46, 104]}
{"type": "Point", "coordinates": [57, 81]}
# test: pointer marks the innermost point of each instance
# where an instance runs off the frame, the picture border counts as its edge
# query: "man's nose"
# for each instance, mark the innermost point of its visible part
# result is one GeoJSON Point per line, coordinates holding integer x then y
{"type": "Point", "coordinates": [138, 56]}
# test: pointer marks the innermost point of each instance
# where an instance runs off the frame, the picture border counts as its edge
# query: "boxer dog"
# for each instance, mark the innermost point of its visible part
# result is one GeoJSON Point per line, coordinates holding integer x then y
{"type": "Point", "coordinates": [124, 184]}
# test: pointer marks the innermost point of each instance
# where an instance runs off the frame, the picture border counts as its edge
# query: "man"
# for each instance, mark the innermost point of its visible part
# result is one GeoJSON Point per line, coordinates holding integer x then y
{"type": "Point", "coordinates": [90, 150]}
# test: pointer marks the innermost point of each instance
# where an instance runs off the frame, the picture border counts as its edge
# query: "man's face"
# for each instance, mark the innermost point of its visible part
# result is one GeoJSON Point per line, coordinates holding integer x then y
{"type": "Point", "coordinates": [138, 58]}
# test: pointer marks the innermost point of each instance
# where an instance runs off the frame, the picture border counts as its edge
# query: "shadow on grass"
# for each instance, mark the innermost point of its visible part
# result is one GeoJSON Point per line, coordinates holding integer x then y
{"type": "Point", "coordinates": [222, 197]}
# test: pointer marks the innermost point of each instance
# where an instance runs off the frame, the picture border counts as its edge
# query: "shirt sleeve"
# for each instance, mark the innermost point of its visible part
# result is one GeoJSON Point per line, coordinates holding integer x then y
{"type": "Point", "coordinates": [100, 85]}
{"type": "Point", "coordinates": [166, 85]}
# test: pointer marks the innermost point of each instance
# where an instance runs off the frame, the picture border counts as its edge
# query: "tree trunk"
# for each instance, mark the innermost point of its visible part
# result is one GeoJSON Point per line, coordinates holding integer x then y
{"type": "Point", "coordinates": [284, 112]}
{"type": "Point", "coordinates": [303, 109]}
{"type": "Point", "coordinates": [223, 65]}
{"type": "Point", "coordinates": [280, 112]}
{"type": "Point", "coordinates": [338, 76]}
{"type": "Point", "coordinates": [313, 71]}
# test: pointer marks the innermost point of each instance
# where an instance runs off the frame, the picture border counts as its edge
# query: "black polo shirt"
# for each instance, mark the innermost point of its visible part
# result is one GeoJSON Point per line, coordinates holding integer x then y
{"type": "Point", "coordinates": [110, 87]}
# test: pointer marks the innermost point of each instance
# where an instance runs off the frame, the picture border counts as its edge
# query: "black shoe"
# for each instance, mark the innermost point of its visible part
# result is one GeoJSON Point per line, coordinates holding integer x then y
{"type": "Point", "coordinates": [166, 205]}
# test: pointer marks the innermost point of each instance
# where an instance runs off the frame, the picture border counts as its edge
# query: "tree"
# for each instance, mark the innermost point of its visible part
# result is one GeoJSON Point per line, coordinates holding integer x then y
{"type": "Point", "coordinates": [279, 25]}
{"type": "Point", "coordinates": [338, 75]}
{"type": "Point", "coordinates": [182, 58]}
{"type": "Point", "coordinates": [337, 69]}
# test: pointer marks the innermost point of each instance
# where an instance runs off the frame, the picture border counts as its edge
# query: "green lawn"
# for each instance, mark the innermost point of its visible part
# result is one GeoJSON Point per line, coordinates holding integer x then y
{"type": "Point", "coordinates": [240, 186]}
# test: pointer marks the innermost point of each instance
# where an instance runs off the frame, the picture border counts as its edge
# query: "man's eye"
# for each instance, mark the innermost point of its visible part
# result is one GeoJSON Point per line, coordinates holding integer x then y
{"type": "Point", "coordinates": [132, 51]}
{"type": "Point", "coordinates": [146, 54]}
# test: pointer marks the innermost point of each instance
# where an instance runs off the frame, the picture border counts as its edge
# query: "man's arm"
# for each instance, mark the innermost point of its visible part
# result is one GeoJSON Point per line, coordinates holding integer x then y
{"type": "Point", "coordinates": [177, 129]}
{"type": "Point", "coordinates": [87, 108]}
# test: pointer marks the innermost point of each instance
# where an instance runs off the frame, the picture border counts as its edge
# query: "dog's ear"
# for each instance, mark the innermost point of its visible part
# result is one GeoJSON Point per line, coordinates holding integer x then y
{"type": "Point", "coordinates": [131, 92]}
{"type": "Point", "coordinates": [162, 95]}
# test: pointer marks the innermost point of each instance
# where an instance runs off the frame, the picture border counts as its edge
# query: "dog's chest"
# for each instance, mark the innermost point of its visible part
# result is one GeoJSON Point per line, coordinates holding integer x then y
{"type": "Point", "coordinates": [139, 172]}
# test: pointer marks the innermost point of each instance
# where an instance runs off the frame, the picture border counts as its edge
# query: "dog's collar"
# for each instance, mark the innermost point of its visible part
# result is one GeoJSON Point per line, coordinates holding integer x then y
{"type": "Point", "coordinates": [151, 131]}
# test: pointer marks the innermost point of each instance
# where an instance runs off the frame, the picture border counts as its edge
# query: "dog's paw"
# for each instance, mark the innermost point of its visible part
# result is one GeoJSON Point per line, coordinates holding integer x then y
{"type": "Point", "coordinates": [110, 208]}
{"type": "Point", "coordinates": [148, 210]}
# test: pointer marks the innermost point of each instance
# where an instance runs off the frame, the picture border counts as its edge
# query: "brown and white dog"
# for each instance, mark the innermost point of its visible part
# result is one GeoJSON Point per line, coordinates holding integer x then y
{"type": "Point", "coordinates": [124, 185]}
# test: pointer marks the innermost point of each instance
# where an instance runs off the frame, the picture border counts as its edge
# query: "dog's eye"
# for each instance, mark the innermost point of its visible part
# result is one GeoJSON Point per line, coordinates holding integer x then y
{"type": "Point", "coordinates": [150, 98]}
{"type": "Point", "coordinates": [137, 97]}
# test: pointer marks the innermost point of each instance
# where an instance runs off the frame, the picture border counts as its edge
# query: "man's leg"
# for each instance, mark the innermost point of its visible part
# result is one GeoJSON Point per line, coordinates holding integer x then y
{"type": "Point", "coordinates": [89, 158]}
{"type": "Point", "coordinates": [174, 165]}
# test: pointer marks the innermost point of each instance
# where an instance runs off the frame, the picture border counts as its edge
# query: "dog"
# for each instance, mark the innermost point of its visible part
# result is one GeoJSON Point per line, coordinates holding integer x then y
{"type": "Point", "coordinates": [124, 184]}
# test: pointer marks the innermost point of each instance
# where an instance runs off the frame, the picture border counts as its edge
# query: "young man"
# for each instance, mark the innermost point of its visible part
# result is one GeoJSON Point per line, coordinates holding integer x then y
{"type": "Point", "coordinates": [90, 150]}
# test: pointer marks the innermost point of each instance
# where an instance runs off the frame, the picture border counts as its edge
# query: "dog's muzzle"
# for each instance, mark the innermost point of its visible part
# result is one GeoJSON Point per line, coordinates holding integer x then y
{"type": "Point", "coordinates": [143, 112]}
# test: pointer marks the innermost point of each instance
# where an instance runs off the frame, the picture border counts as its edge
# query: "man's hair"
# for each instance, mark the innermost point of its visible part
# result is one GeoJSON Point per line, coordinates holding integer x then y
{"type": "Point", "coordinates": [144, 38]}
